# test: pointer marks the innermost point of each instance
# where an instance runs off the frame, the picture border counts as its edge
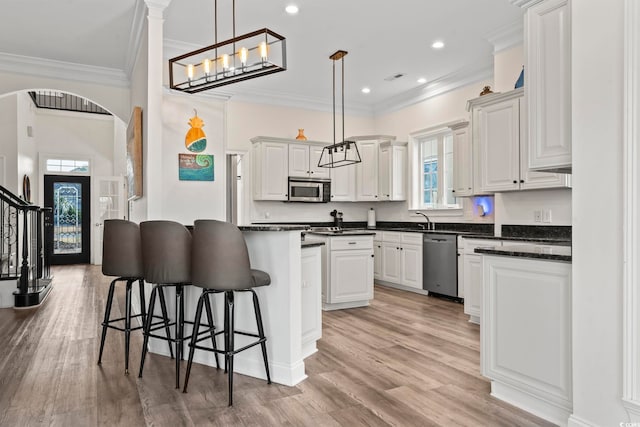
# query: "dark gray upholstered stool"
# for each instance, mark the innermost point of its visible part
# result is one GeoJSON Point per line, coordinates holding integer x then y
{"type": "Point", "coordinates": [220, 263]}
{"type": "Point", "coordinates": [122, 258]}
{"type": "Point", "coordinates": [166, 259]}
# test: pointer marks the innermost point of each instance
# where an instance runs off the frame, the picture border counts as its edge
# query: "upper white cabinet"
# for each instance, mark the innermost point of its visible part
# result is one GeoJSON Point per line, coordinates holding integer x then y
{"type": "Point", "coordinates": [462, 160]}
{"type": "Point", "coordinates": [500, 146]}
{"type": "Point", "coordinates": [303, 161]}
{"type": "Point", "coordinates": [367, 171]}
{"type": "Point", "coordinates": [270, 169]}
{"type": "Point", "coordinates": [548, 84]}
{"type": "Point", "coordinates": [343, 184]}
{"type": "Point", "coordinates": [392, 171]}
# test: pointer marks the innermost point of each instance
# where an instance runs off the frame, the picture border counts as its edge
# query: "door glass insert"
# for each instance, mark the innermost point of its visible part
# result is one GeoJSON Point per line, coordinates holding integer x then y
{"type": "Point", "coordinates": [67, 218]}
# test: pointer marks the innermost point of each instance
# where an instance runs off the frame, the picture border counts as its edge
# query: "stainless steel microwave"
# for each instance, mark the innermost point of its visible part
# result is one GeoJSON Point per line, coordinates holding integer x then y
{"type": "Point", "coordinates": [310, 190]}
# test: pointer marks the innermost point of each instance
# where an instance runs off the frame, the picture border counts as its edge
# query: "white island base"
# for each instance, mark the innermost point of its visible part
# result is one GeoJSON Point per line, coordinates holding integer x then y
{"type": "Point", "coordinates": [276, 250]}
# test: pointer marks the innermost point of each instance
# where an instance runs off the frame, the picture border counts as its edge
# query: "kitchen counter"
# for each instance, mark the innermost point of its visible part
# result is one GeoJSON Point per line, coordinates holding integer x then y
{"type": "Point", "coordinates": [344, 232]}
{"type": "Point", "coordinates": [274, 227]}
{"type": "Point", "coordinates": [546, 240]}
{"type": "Point", "coordinates": [546, 252]}
{"type": "Point", "coordinates": [310, 243]}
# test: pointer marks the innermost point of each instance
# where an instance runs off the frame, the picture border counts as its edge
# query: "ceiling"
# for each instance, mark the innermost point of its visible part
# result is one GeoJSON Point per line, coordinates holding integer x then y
{"type": "Point", "coordinates": [382, 38]}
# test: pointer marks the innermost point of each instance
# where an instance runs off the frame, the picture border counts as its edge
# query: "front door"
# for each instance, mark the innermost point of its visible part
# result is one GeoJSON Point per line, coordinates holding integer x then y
{"type": "Point", "coordinates": [69, 200]}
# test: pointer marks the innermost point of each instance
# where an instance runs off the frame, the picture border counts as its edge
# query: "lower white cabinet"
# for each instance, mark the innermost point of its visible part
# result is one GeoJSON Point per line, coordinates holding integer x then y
{"type": "Point", "coordinates": [526, 334]}
{"type": "Point", "coordinates": [472, 277]}
{"type": "Point", "coordinates": [400, 258]}
{"type": "Point", "coordinates": [377, 259]}
{"type": "Point", "coordinates": [311, 261]}
{"type": "Point", "coordinates": [347, 278]}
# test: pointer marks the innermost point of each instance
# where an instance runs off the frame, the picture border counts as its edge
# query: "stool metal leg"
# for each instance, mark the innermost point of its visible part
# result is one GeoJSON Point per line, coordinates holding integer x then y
{"type": "Point", "coordinates": [207, 304]}
{"type": "Point", "coordinates": [105, 322]}
{"type": "Point", "coordinates": [127, 326]}
{"type": "Point", "coordinates": [229, 338]}
{"type": "Point", "coordinates": [163, 308]}
{"type": "Point", "coordinates": [143, 306]}
{"type": "Point", "coordinates": [194, 339]}
{"type": "Point", "coordinates": [263, 343]}
{"type": "Point", "coordinates": [147, 328]}
{"type": "Point", "coordinates": [179, 331]}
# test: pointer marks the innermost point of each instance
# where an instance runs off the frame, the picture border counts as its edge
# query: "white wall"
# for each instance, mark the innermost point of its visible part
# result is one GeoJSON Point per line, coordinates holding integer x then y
{"type": "Point", "coordinates": [507, 65]}
{"type": "Point", "coordinates": [517, 207]}
{"type": "Point", "coordinates": [9, 140]}
{"type": "Point", "coordinates": [597, 123]}
{"type": "Point", "coordinates": [185, 201]}
{"type": "Point", "coordinates": [27, 148]}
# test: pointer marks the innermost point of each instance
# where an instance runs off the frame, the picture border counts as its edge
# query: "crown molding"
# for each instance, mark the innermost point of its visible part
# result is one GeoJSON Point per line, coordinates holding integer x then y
{"type": "Point", "coordinates": [48, 68]}
{"type": "Point", "coordinates": [507, 36]}
{"type": "Point", "coordinates": [466, 76]}
{"type": "Point", "coordinates": [524, 3]}
{"type": "Point", "coordinates": [135, 36]}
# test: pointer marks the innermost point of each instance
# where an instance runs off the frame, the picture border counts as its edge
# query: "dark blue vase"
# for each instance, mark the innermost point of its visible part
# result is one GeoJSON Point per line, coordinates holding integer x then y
{"type": "Point", "coordinates": [520, 81]}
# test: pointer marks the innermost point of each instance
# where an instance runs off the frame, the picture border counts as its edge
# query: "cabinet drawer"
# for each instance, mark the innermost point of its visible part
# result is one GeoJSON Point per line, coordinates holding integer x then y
{"type": "Point", "coordinates": [351, 242]}
{"type": "Point", "coordinates": [391, 236]}
{"type": "Point", "coordinates": [411, 238]}
{"type": "Point", "coordinates": [471, 244]}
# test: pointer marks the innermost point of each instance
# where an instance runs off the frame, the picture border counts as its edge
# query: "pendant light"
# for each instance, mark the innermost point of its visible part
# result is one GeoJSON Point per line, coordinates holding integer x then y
{"type": "Point", "coordinates": [342, 153]}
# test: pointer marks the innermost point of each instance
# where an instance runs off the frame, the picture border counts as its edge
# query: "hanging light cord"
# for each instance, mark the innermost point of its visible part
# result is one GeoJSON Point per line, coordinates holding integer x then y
{"type": "Point", "coordinates": [334, 102]}
{"type": "Point", "coordinates": [342, 62]}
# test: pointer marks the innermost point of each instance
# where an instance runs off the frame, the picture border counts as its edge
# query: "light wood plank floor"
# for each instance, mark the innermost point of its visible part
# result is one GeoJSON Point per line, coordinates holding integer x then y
{"type": "Point", "coordinates": [407, 360]}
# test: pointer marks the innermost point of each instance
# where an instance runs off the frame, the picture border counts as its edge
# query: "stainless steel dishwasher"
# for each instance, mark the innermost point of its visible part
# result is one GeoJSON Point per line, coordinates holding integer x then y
{"type": "Point", "coordinates": [440, 264]}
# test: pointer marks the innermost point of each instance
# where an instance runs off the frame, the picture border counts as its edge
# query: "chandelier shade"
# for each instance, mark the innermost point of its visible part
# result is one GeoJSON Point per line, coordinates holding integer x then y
{"type": "Point", "coordinates": [248, 56]}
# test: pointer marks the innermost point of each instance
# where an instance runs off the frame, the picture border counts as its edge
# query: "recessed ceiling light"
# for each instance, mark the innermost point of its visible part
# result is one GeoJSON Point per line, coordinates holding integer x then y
{"type": "Point", "coordinates": [422, 80]}
{"type": "Point", "coordinates": [439, 44]}
{"type": "Point", "coordinates": [366, 90]}
{"type": "Point", "coordinates": [292, 9]}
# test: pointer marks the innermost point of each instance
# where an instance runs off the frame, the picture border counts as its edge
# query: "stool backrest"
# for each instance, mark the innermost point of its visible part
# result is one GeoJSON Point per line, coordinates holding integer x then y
{"type": "Point", "coordinates": [220, 259]}
{"type": "Point", "coordinates": [166, 252]}
{"type": "Point", "coordinates": [121, 249]}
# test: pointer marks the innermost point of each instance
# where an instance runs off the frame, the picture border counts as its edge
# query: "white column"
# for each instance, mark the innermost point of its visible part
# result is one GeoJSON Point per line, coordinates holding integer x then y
{"type": "Point", "coordinates": [153, 115]}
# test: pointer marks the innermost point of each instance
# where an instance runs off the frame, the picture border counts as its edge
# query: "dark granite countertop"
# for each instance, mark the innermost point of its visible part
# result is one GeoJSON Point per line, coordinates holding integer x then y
{"type": "Point", "coordinates": [344, 232]}
{"type": "Point", "coordinates": [418, 230]}
{"type": "Point", "coordinates": [274, 227]}
{"type": "Point", "coordinates": [309, 243]}
{"type": "Point", "coordinates": [545, 240]}
{"type": "Point", "coordinates": [546, 252]}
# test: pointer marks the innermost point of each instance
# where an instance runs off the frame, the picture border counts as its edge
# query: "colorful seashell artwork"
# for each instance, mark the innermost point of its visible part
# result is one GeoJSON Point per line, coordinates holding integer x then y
{"type": "Point", "coordinates": [196, 140]}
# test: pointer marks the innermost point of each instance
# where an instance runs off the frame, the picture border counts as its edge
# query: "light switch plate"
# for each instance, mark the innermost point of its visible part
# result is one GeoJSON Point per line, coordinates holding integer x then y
{"type": "Point", "coordinates": [546, 215]}
{"type": "Point", "coordinates": [537, 216]}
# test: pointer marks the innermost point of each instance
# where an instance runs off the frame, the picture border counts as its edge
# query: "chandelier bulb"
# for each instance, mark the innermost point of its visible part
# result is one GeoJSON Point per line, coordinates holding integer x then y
{"type": "Point", "coordinates": [225, 61]}
{"type": "Point", "coordinates": [263, 51]}
{"type": "Point", "coordinates": [206, 64]}
{"type": "Point", "coordinates": [190, 71]}
{"type": "Point", "coordinates": [244, 53]}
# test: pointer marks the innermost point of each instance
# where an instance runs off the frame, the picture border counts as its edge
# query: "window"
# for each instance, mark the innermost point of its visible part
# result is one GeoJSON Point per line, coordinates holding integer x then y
{"type": "Point", "coordinates": [434, 183]}
{"type": "Point", "coordinates": [67, 166]}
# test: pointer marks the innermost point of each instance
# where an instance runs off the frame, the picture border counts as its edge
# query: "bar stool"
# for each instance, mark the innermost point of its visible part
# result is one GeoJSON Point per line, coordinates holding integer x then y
{"type": "Point", "coordinates": [122, 258]}
{"type": "Point", "coordinates": [220, 263]}
{"type": "Point", "coordinates": [166, 260]}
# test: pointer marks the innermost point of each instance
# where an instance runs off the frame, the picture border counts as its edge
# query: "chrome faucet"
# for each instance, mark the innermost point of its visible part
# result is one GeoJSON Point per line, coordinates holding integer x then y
{"type": "Point", "coordinates": [430, 224]}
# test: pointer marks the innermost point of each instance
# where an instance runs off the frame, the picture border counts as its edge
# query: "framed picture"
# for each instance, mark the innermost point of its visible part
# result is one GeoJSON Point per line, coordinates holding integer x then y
{"type": "Point", "coordinates": [134, 155]}
{"type": "Point", "coordinates": [195, 167]}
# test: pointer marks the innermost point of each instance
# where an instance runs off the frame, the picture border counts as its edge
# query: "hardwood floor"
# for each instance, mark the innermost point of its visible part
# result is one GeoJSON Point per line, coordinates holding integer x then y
{"type": "Point", "coordinates": [407, 360]}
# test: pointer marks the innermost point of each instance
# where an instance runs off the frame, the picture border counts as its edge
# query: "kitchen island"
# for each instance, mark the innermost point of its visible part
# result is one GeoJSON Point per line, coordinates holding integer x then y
{"type": "Point", "coordinates": [525, 340]}
{"type": "Point", "coordinates": [276, 250]}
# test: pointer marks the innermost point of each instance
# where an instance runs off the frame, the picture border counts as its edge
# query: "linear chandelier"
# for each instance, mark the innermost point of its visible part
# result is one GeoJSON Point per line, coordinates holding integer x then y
{"type": "Point", "coordinates": [342, 153]}
{"type": "Point", "coordinates": [244, 57]}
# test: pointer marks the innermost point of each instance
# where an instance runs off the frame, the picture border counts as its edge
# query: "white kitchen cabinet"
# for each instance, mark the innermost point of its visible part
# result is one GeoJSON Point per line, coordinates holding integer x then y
{"type": "Point", "coordinates": [270, 170]}
{"type": "Point", "coordinates": [460, 267]}
{"type": "Point", "coordinates": [347, 279]}
{"type": "Point", "coordinates": [377, 259]}
{"type": "Point", "coordinates": [391, 262]}
{"type": "Point", "coordinates": [401, 259]}
{"type": "Point", "coordinates": [548, 84]}
{"type": "Point", "coordinates": [392, 171]}
{"type": "Point", "coordinates": [411, 265]}
{"type": "Point", "coordinates": [303, 161]}
{"type": "Point", "coordinates": [525, 343]}
{"type": "Point", "coordinates": [343, 184]}
{"type": "Point", "coordinates": [367, 172]}
{"type": "Point", "coordinates": [500, 146]}
{"type": "Point", "coordinates": [462, 160]}
{"type": "Point", "coordinates": [472, 277]}
{"type": "Point", "coordinates": [311, 299]}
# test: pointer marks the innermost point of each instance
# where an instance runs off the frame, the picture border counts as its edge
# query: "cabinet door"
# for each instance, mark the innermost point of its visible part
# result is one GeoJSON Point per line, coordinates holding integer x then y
{"type": "Point", "coordinates": [343, 184]}
{"type": "Point", "coordinates": [351, 275]}
{"type": "Point", "coordinates": [299, 160]}
{"type": "Point", "coordinates": [398, 173]}
{"type": "Point", "coordinates": [315, 151]}
{"type": "Point", "coordinates": [377, 260]}
{"type": "Point", "coordinates": [311, 295]}
{"type": "Point", "coordinates": [530, 179]}
{"type": "Point", "coordinates": [271, 168]}
{"type": "Point", "coordinates": [472, 282]}
{"type": "Point", "coordinates": [462, 165]}
{"type": "Point", "coordinates": [391, 262]}
{"type": "Point", "coordinates": [411, 265]}
{"type": "Point", "coordinates": [548, 84]}
{"type": "Point", "coordinates": [498, 154]}
{"type": "Point", "coordinates": [384, 173]}
{"type": "Point", "coordinates": [367, 171]}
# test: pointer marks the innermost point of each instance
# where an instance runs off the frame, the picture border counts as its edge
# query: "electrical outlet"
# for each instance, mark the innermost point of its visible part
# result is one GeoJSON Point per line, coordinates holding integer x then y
{"type": "Point", "coordinates": [546, 215]}
{"type": "Point", "coordinates": [537, 216]}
